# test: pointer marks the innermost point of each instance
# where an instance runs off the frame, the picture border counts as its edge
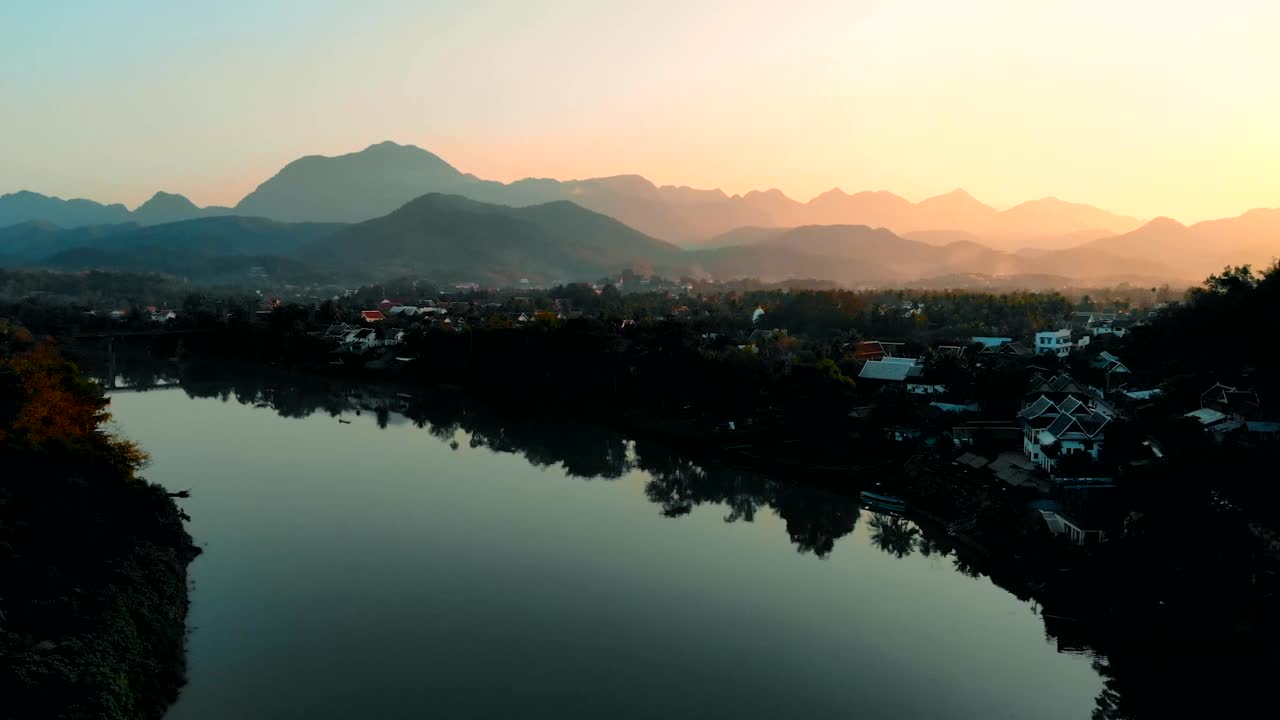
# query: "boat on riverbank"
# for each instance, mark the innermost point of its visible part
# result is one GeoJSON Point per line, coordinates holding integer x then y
{"type": "Point", "coordinates": [882, 502]}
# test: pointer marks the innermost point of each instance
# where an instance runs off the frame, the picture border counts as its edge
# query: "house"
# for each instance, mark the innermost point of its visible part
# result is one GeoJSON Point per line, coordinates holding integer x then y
{"type": "Point", "coordinates": [1231, 401]}
{"type": "Point", "coordinates": [1083, 515]}
{"type": "Point", "coordinates": [360, 339]}
{"type": "Point", "coordinates": [1107, 328]}
{"type": "Point", "coordinates": [372, 315]}
{"type": "Point", "coordinates": [1211, 420]}
{"type": "Point", "coordinates": [406, 310]}
{"type": "Point", "coordinates": [876, 350]}
{"type": "Point", "coordinates": [1056, 342]}
{"type": "Point", "coordinates": [1108, 363]}
{"type": "Point", "coordinates": [1262, 432]}
{"type": "Point", "coordinates": [1004, 351]}
{"type": "Point", "coordinates": [868, 350]}
{"type": "Point", "coordinates": [337, 331]}
{"type": "Point", "coordinates": [891, 369]}
{"type": "Point", "coordinates": [925, 389]}
{"type": "Point", "coordinates": [1061, 418]}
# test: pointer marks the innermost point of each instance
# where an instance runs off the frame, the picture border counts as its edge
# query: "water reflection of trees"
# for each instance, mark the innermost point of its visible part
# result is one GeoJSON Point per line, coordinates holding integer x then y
{"type": "Point", "coordinates": [676, 484]}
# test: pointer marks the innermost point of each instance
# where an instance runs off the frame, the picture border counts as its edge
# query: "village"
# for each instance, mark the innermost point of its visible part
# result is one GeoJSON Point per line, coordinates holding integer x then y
{"type": "Point", "coordinates": [1077, 391]}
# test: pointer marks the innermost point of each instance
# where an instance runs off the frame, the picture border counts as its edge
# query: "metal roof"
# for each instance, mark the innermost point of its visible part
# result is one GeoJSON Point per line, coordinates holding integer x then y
{"type": "Point", "coordinates": [882, 370]}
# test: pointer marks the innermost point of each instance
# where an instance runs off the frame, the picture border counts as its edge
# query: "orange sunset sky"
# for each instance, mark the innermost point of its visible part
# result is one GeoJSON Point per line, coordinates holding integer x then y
{"type": "Point", "coordinates": [1144, 108]}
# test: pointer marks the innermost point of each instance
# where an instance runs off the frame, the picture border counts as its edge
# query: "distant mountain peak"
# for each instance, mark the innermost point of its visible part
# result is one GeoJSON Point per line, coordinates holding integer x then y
{"type": "Point", "coordinates": [167, 200]}
{"type": "Point", "coordinates": [1163, 223]}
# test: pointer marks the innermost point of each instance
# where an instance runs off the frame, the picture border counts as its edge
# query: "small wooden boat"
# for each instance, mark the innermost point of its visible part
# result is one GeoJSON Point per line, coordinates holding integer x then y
{"type": "Point", "coordinates": [344, 422]}
{"type": "Point", "coordinates": [883, 502]}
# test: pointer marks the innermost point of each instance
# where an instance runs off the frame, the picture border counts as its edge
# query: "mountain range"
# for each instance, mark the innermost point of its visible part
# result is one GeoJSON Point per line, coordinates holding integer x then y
{"type": "Point", "coordinates": [401, 209]}
{"type": "Point", "coordinates": [379, 179]}
{"type": "Point", "coordinates": [455, 239]}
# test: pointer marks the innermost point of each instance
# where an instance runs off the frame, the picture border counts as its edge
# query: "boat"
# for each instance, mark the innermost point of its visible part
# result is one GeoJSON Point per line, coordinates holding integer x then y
{"type": "Point", "coordinates": [883, 502]}
{"type": "Point", "coordinates": [344, 422]}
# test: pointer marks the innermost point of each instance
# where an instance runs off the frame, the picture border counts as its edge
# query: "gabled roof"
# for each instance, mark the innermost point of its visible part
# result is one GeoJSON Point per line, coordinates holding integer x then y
{"type": "Point", "coordinates": [1073, 406]}
{"type": "Point", "coordinates": [371, 315]}
{"type": "Point", "coordinates": [1039, 407]}
{"type": "Point", "coordinates": [1060, 426]}
{"type": "Point", "coordinates": [1061, 383]}
{"type": "Point", "coordinates": [1109, 363]}
{"type": "Point", "coordinates": [868, 350]}
{"type": "Point", "coordinates": [1089, 425]}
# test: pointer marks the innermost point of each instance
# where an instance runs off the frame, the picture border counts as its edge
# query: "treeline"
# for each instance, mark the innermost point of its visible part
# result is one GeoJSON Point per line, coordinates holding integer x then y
{"type": "Point", "coordinates": [93, 560]}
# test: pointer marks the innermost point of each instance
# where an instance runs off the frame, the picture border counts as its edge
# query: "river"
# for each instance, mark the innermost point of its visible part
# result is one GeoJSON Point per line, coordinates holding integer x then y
{"type": "Point", "coordinates": [393, 568]}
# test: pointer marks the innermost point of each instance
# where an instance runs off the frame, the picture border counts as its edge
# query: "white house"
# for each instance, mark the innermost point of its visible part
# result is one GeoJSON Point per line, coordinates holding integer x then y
{"type": "Point", "coordinates": [1061, 420]}
{"type": "Point", "coordinates": [361, 339]}
{"type": "Point", "coordinates": [1057, 342]}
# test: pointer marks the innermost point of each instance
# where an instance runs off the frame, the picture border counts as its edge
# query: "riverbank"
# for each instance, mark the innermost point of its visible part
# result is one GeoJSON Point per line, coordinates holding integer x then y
{"type": "Point", "coordinates": [93, 558]}
{"type": "Point", "coordinates": [1127, 600]}
{"type": "Point", "coordinates": [106, 642]}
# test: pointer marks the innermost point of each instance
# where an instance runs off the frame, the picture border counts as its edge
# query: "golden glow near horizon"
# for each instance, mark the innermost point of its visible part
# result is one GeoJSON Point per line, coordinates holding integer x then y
{"type": "Point", "coordinates": [1144, 108]}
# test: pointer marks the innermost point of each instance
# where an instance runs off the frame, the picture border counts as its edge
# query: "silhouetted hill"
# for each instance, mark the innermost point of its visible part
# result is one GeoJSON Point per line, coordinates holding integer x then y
{"type": "Point", "coordinates": [166, 207]}
{"type": "Point", "coordinates": [1198, 250]}
{"type": "Point", "coordinates": [1053, 217]}
{"type": "Point", "coordinates": [25, 206]}
{"type": "Point", "coordinates": [353, 187]}
{"type": "Point", "coordinates": [857, 254]}
{"type": "Point", "coordinates": [453, 238]}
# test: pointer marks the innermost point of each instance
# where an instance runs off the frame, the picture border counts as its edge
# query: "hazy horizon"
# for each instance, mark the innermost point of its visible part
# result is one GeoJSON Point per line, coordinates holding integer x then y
{"type": "Point", "coordinates": [1146, 110]}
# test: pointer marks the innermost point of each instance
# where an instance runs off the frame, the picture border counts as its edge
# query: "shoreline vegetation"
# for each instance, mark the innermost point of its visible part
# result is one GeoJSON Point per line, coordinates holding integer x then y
{"type": "Point", "coordinates": [93, 558]}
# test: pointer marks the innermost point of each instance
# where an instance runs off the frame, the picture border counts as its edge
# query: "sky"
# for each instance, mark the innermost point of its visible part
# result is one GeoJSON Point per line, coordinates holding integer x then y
{"type": "Point", "coordinates": [1141, 107]}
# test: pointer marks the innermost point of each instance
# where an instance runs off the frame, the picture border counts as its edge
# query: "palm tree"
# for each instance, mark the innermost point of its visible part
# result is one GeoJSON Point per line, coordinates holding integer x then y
{"type": "Point", "coordinates": [894, 535]}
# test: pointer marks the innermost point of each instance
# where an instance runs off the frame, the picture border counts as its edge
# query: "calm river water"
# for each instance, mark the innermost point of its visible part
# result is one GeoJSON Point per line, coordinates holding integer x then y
{"type": "Point", "coordinates": [384, 568]}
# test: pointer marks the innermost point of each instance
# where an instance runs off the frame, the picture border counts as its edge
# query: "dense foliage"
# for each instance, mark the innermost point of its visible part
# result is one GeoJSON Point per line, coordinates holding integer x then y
{"type": "Point", "coordinates": [92, 559]}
